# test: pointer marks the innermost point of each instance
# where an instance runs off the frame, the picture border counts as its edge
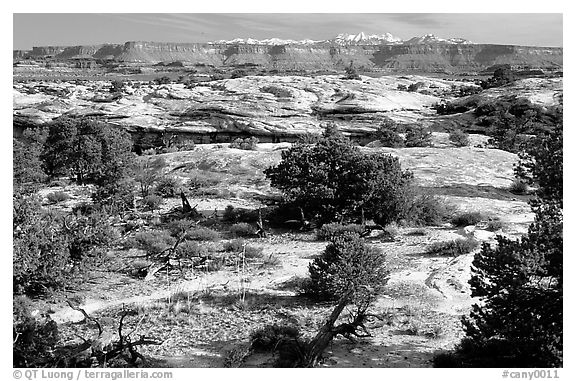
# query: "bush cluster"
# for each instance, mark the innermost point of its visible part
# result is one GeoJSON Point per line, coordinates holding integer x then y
{"type": "Point", "coordinates": [518, 187]}
{"type": "Point", "coordinates": [242, 229]}
{"type": "Point", "coordinates": [34, 336]}
{"type": "Point", "coordinates": [52, 250]}
{"type": "Point", "coordinates": [459, 138]}
{"type": "Point", "coordinates": [58, 196]}
{"type": "Point", "coordinates": [268, 337]}
{"type": "Point", "coordinates": [153, 241]}
{"type": "Point", "coordinates": [249, 144]}
{"type": "Point", "coordinates": [427, 210]}
{"type": "Point", "coordinates": [167, 187]}
{"type": "Point", "coordinates": [234, 215]}
{"type": "Point", "coordinates": [418, 137]}
{"type": "Point", "coordinates": [467, 218]}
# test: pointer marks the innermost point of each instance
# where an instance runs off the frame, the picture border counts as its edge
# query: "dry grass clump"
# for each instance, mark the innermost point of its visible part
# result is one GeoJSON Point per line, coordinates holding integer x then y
{"type": "Point", "coordinates": [452, 248]}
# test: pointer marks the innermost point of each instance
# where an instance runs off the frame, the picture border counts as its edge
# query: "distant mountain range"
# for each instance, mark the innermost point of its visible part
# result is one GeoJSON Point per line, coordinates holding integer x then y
{"type": "Point", "coordinates": [384, 52]}
{"type": "Point", "coordinates": [351, 39]}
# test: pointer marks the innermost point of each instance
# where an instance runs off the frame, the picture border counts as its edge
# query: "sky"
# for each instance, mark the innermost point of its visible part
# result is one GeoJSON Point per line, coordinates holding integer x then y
{"type": "Point", "coordinates": [44, 29]}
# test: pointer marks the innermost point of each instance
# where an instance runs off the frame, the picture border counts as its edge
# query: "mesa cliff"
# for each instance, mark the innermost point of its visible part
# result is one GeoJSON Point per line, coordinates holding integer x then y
{"type": "Point", "coordinates": [433, 57]}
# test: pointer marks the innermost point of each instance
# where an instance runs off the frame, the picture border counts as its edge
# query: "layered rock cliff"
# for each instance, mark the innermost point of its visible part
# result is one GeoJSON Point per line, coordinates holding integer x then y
{"type": "Point", "coordinates": [423, 57]}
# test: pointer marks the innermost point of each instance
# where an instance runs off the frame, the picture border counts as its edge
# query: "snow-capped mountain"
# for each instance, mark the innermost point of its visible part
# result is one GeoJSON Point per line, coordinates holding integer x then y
{"type": "Point", "coordinates": [362, 38]}
{"type": "Point", "coordinates": [350, 39]}
{"type": "Point", "coordinates": [267, 41]}
{"type": "Point", "coordinates": [432, 39]}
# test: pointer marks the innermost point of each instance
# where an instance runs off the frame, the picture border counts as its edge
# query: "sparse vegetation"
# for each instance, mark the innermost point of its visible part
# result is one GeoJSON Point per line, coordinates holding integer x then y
{"type": "Point", "coordinates": [242, 229]}
{"type": "Point", "coordinates": [467, 218]}
{"type": "Point", "coordinates": [459, 138]}
{"type": "Point", "coordinates": [58, 196]}
{"type": "Point", "coordinates": [248, 144]}
{"type": "Point", "coordinates": [452, 248]}
{"type": "Point", "coordinates": [518, 187]}
{"type": "Point", "coordinates": [152, 202]}
{"type": "Point", "coordinates": [236, 265]}
{"type": "Point", "coordinates": [418, 137]}
{"type": "Point", "coordinates": [168, 186]}
{"type": "Point", "coordinates": [330, 231]}
{"type": "Point", "coordinates": [387, 134]}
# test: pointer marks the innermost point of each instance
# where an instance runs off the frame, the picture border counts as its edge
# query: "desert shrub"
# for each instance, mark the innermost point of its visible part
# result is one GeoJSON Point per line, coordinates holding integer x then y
{"type": "Point", "coordinates": [459, 138]}
{"type": "Point", "coordinates": [503, 75]}
{"type": "Point", "coordinates": [41, 255]}
{"type": "Point", "coordinates": [494, 225]}
{"type": "Point", "coordinates": [417, 232]}
{"type": "Point", "coordinates": [467, 218]}
{"type": "Point", "coordinates": [26, 160]}
{"type": "Point", "coordinates": [114, 198]}
{"type": "Point", "coordinates": [427, 210]}
{"type": "Point", "coordinates": [164, 80]}
{"type": "Point", "coordinates": [391, 230]}
{"type": "Point", "coordinates": [89, 238]}
{"type": "Point", "coordinates": [248, 144]}
{"type": "Point", "coordinates": [34, 337]}
{"type": "Point", "coordinates": [153, 241]}
{"type": "Point", "coordinates": [235, 245]}
{"type": "Point", "coordinates": [415, 86]}
{"type": "Point", "coordinates": [242, 229]}
{"type": "Point", "coordinates": [199, 180]}
{"type": "Point", "coordinates": [346, 256]}
{"type": "Point", "coordinates": [190, 249]}
{"type": "Point", "coordinates": [270, 261]}
{"type": "Point", "coordinates": [58, 196]}
{"type": "Point", "coordinates": [418, 137]}
{"type": "Point", "coordinates": [389, 138]}
{"type": "Point", "coordinates": [152, 201]}
{"type": "Point", "coordinates": [351, 73]}
{"type": "Point", "coordinates": [387, 134]}
{"type": "Point", "coordinates": [214, 264]}
{"type": "Point", "coordinates": [518, 187]}
{"type": "Point", "coordinates": [451, 108]}
{"type": "Point", "coordinates": [201, 233]}
{"type": "Point", "coordinates": [452, 248]}
{"type": "Point", "coordinates": [147, 172]}
{"type": "Point", "coordinates": [52, 250]}
{"type": "Point", "coordinates": [239, 246]}
{"type": "Point", "coordinates": [234, 215]}
{"type": "Point", "coordinates": [251, 252]}
{"type": "Point", "coordinates": [329, 231]}
{"type": "Point", "coordinates": [168, 186]}
{"type": "Point", "coordinates": [268, 337]}
{"type": "Point", "coordinates": [334, 181]}
{"type": "Point", "coordinates": [179, 227]}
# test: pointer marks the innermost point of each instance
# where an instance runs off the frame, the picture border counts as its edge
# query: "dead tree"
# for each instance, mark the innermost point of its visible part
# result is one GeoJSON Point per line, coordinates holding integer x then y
{"type": "Point", "coordinates": [103, 348]}
{"type": "Point", "coordinates": [261, 231]}
{"type": "Point", "coordinates": [186, 208]}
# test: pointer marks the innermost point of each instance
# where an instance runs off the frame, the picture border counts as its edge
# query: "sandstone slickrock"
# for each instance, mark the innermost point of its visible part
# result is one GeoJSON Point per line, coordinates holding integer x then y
{"type": "Point", "coordinates": [256, 105]}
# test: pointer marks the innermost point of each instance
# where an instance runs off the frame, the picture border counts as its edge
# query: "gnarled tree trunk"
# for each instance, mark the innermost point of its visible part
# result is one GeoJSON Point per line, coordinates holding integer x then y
{"type": "Point", "coordinates": [323, 338]}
